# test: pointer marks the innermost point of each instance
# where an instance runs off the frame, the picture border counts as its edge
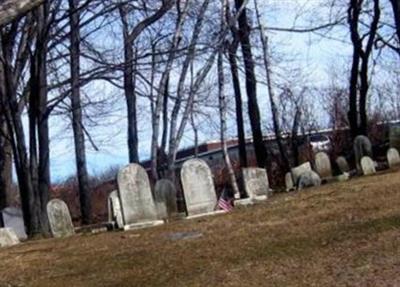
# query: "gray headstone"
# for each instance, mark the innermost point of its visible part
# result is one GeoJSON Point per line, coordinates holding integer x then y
{"type": "Point", "coordinates": [13, 218]}
{"type": "Point", "coordinates": [114, 209]}
{"type": "Point", "coordinates": [362, 147]}
{"type": "Point", "coordinates": [8, 237]}
{"type": "Point", "coordinates": [289, 181]}
{"type": "Point", "coordinates": [165, 197]}
{"type": "Point", "coordinates": [198, 187]}
{"type": "Point", "coordinates": [299, 170]}
{"type": "Point", "coordinates": [59, 218]}
{"type": "Point", "coordinates": [256, 183]}
{"type": "Point", "coordinates": [367, 165]}
{"type": "Point", "coordinates": [323, 165]}
{"type": "Point", "coordinates": [342, 164]}
{"type": "Point", "coordinates": [309, 179]}
{"type": "Point", "coordinates": [393, 157]}
{"type": "Point", "coordinates": [135, 195]}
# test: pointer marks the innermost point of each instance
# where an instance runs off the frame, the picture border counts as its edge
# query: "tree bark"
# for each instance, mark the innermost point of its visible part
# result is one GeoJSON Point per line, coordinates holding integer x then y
{"type": "Point", "coordinates": [396, 13]}
{"type": "Point", "coordinates": [12, 9]}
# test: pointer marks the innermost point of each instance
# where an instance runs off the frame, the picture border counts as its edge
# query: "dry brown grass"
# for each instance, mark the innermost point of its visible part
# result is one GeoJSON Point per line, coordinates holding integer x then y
{"type": "Point", "coordinates": [343, 234]}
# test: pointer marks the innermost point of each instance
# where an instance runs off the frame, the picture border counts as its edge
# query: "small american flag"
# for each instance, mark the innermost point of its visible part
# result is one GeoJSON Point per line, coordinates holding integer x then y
{"type": "Point", "coordinates": [225, 202]}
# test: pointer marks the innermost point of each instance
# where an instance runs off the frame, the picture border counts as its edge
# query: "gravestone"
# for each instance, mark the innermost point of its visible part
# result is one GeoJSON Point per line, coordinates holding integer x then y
{"type": "Point", "coordinates": [59, 218]}
{"type": "Point", "coordinates": [393, 157]}
{"type": "Point", "coordinates": [362, 147]}
{"type": "Point", "coordinates": [8, 237]}
{"type": "Point", "coordinates": [308, 179]}
{"type": "Point", "coordinates": [299, 170]}
{"type": "Point", "coordinates": [114, 209]}
{"type": "Point", "coordinates": [342, 163]}
{"type": "Point", "coordinates": [289, 181]}
{"type": "Point", "coordinates": [165, 198]}
{"type": "Point", "coordinates": [256, 183]}
{"type": "Point", "coordinates": [137, 204]}
{"type": "Point", "coordinates": [198, 187]}
{"type": "Point", "coordinates": [323, 165]}
{"type": "Point", "coordinates": [13, 218]}
{"type": "Point", "coordinates": [367, 165]}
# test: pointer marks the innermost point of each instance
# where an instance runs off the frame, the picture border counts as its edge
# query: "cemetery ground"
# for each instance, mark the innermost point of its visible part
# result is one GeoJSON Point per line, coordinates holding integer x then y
{"type": "Point", "coordinates": [340, 234]}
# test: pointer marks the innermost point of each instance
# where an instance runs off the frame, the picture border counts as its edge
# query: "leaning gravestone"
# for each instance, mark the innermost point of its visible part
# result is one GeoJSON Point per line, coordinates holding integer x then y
{"type": "Point", "coordinates": [362, 147]}
{"type": "Point", "coordinates": [165, 197]}
{"type": "Point", "coordinates": [343, 165]}
{"type": "Point", "coordinates": [137, 204]}
{"type": "Point", "coordinates": [256, 183]}
{"type": "Point", "coordinates": [198, 187]}
{"type": "Point", "coordinates": [8, 237]}
{"type": "Point", "coordinates": [114, 210]}
{"type": "Point", "coordinates": [323, 165]}
{"type": "Point", "coordinates": [289, 181]}
{"type": "Point", "coordinates": [13, 218]}
{"type": "Point", "coordinates": [299, 170]}
{"type": "Point", "coordinates": [308, 179]}
{"type": "Point", "coordinates": [393, 157]}
{"type": "Point", "coordinates": [367, 165]}
{"type": "Point", "coordinates": [59, 218]}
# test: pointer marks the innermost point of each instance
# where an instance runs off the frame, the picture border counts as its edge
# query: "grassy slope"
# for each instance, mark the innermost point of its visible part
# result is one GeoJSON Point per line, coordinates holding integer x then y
{"type": "Point", "coordinates": [343, 234]}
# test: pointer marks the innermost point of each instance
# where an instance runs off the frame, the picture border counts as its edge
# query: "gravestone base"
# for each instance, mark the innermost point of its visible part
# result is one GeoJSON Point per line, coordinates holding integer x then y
{"type": "Point", "coordinates": [141, 225]}
{"type": "Point", "coordinates": [206, 214]}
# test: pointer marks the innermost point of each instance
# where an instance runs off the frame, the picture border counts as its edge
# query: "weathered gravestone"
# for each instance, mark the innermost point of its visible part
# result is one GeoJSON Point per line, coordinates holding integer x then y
{"type": "Point", "coordinates": [256, 183]}
{"type": "Point", "coordinates": [393, 157]}
{"type": "Point", "coordinates": [367, 165]}
{"type": "Point", "coordinates": [13, 218]}
{"type": "Point", "coordinates": [323, 165]}
{"type": "Point", "coordinates": [362, 147]}
{"type": "Point", "coordinates": [343, 165]}
{"type": "Point", "coordinates": [289, 181]}
{"type": "Point", "coordinates": [198, 187]}
{"type": "Point", "coordinates": [59, 218]}
{"type": "Point", "coordinates": [137, 204]}
{"type": "Point", "coordinates": [165, 197]}
{"type": "Point", "coordinates": [8, 237]}
{"type": "Point", "coordinates": [308, 179]}
{"type": "Point", "coordinates": [299, 170]}
{"type": "Point", "coordinates": [114, 210]}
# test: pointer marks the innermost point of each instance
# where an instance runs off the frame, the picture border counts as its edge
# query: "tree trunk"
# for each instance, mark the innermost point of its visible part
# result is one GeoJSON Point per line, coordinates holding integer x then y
{"type": "Point", "coordinates": [5, 164]}
{"type": "Point", "coordinates": [396, 12]}
{"type": "Point", "coordinates": [12, 9]}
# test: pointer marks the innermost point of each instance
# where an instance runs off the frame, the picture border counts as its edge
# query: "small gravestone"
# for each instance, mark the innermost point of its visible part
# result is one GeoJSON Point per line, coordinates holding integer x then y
{"type": "Point", "coordinates": [343, 165]}
{"type": "Point", "coordinates": [308, 179]}
{"type": "Point", "coordinates": [198, 188]}
{"type": "Point", "coordinates": [114, 210]}
{"type": "Point", "coordinates": [8, 237]}
{"type": "Point", "coordinates": [59, 218]}
{"type": "Point", "coordinates": [393, 157]}
{"type": "Point", "coordinates": [137, 204]}
{"type": "Point", "coordinates": [13, 218]}
{"type": "Point", "coordinates": [256, 183]}
{"type": "Point", "coordinates": [323, 165]}
{"type": "Point", "coordinates": [299, 170]}
{"type": "Point", "coordinates": [165, 198]}
{"type": "Point", "coordinates": [367, 165]}
{"type": "Point", "coordinates": [362, 147]}
{"type": "Point", "coordinates": [289, 181]}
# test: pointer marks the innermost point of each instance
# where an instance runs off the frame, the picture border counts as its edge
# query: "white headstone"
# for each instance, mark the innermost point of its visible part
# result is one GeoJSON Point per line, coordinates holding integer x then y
{"type": "Point", "coordinates": [289, 181]}
{"type": "Point", "coordinates": [367, 165]}
{"type": "Point", "coordinates": [8, 237]}
{"type": "Point", "coordinates": [137, 203]}
{"type": "Point", "coordinates": [198, 187]}
{"type": "Point", "coordinates": [165, 197]}
{"type": "Point", "coordinates": [13, 218]}
{"type": "Point", "coordinates": [59, 218]}
{"type": "Point", "coordinates": [393, 157]}
{"type": "Point", "coordinates": [256, 183]}
{"type": "Point", "coordinates": [323, 165]}
{"type": "Point", "coordinates": [114, 209]}
{"type": "Point", "coordinates": [299, 170]}
{"type": "Point", "coordinates": [342, 163]}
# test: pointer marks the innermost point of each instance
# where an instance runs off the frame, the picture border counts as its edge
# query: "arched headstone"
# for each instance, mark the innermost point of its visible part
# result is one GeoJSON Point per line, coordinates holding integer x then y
{"type": "Point", "coordinates": [114, 209]}
{"type": "Point", "coordinates": [362, 147]}
{"type": "Point", "coordinates": [256, 183]}
{"type": "Point", "coordinates": [323, 165]}
{"type": "Point", "coordinates": [393, 157]}
{"type": "Point", "coordinates": [198, 187]}
{"type": "Point", "coordinates": [165, 197]}
{"type": "Point", "coordinates": [8, 237]}
{"type": "Point", "coordinates": [13, 218]}
{"type": "Point", "coordinates": [137, 204]}
{"type": "Point", "coordinates": [342, 163]}
{"type": "Point", "coordinates": [299, 170]}
{"type": "Point", "coordinates": [367, 165]}
{"type": "Point", "coordinates": [59, 218]}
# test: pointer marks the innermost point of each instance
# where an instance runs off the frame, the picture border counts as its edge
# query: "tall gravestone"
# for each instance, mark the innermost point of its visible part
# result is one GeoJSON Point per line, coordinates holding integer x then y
{"type": "Point", "coordinates": [299, 170]}
{"type": "Point", "coordinates": [59, 218]}
{"type": "Point", "coordinates": [343, 165]}
{"type": "Point", "coordinates": [393, 157]}
{"type": "Point", "coordinates": [198, 187]}
{"type": "Point", "coordinates": [166, 200]}
{"type": "Point", "coordinates": [13, 218]}
{"type": "Point", "coordinates": [362, 147]}
{"type": "Point", "coordinates": [367, 165]}
{"type": "Point", "coordinates": [137, 203]}
{"type": "Point", "coordinates": [8, 237]}
{"type": "Point", "coordinates": [114, 210]}
{"type": "Point", "coordinates": [256, 183]}
{"type": "Point", "coordinates": [323, 165]}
